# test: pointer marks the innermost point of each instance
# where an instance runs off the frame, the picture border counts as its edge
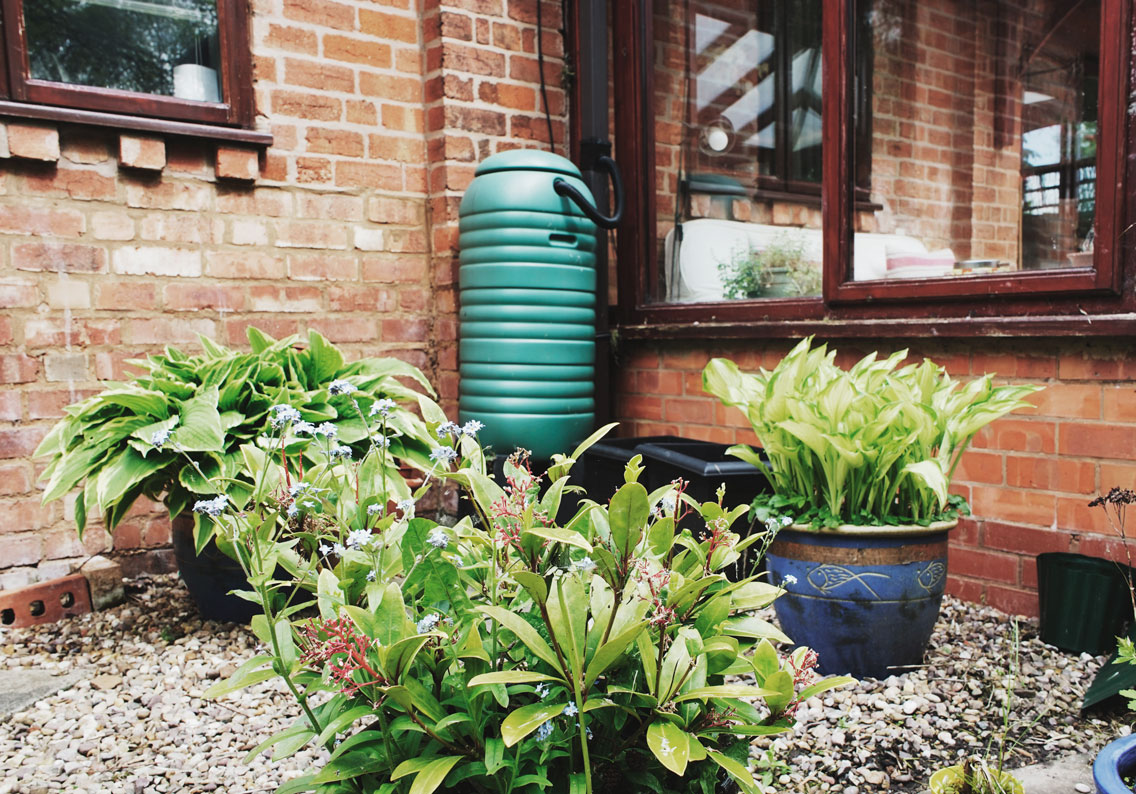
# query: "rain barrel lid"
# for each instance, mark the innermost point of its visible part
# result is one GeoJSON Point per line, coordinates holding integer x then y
{"type": "Point", "coordinates": [528, 160]}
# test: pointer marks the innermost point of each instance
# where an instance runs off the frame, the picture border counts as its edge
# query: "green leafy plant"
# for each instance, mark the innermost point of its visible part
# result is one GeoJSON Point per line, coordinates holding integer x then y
{"type": "Point", "coordinates": [875, 444]}
{"type": "Point", "coordinates": [176, 432]}
{"type": "Point", "coordinates": [776, 271]}
{"type": "Point", "coordinates": [506, 653]}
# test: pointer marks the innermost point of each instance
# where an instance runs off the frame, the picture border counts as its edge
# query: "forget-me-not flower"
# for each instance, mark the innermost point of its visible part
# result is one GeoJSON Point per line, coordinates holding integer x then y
{"type": "Point", "coordinates": [340, 387]}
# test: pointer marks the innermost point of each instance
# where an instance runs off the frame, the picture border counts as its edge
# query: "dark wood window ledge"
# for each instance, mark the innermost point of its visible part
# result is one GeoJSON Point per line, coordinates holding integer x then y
{"type": "Point", "coordinates": [24, 110]}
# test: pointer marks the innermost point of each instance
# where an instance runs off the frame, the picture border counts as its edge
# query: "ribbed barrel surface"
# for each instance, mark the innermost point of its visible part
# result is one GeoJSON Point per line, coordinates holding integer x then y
{"type": "Point", "coordinates": [528, 305]}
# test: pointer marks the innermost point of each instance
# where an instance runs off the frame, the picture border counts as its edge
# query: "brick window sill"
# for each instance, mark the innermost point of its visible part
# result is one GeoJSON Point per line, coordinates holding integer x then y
{"type": "Point", "coordinates": [23, 110]}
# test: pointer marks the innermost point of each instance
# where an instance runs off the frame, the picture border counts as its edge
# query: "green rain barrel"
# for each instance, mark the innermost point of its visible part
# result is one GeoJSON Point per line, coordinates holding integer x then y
{"type": "Point", "coordinates": [528, 305]}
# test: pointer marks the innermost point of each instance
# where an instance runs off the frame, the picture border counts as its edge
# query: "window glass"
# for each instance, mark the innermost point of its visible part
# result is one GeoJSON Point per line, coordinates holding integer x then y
{"type": "Point", "coordinates": [738, 149]}
{"type": "Point", "coordinates": [163, 47]}
{"type": "Point", "coordinates": [982, 136]}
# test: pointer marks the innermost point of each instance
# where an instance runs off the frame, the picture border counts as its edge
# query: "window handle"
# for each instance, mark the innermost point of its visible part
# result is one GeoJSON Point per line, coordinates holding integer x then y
{"type": "Point", "coordinates": [566, 189]}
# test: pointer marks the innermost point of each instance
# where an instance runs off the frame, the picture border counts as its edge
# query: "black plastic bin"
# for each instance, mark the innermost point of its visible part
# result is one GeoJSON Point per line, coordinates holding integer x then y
{"type": "Point", "coordinates": [603, 464]}
{"type": "Point", "coordinates": [705, 466]}
{"type": "Point", "coordinates": [1084, 601]}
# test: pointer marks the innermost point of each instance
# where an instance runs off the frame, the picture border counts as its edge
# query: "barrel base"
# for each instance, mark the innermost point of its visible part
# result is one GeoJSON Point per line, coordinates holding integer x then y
{"type": "Point", "coordinates": [543, 435]}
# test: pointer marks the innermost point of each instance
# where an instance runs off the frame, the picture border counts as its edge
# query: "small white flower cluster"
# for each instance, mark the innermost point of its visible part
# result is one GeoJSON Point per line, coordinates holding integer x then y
{"type": "Point", "coordinates": [382, 407]}
{"type": "Point", "coordinates": [160, 437]}
{"type": "Point", "coordinates": [666, 506]}
{"type": "Point", "coordinates": [427, 623]}
{"type": "Point", "coordinates": [284, 415]}
{"type": "Point", "coordinates": [381, 441]}
{"type": "Point", "coordinates": [443, 454]}
{"type": "Point", "coordinates": [212, 507]}
{"type": "Point", "coordinates": [358, 538]}
{"type": "Point", "coordinates": [373, 510]}
{"type": "Point", "coordinates": [544, 731]}
{"type": "Point", "coordinates": [337, 387]}
{"type": "Point", "coordinates": [438, 538]}
{"type": "Point", "coordinates": [789, 579]}
{"type": "Point", "coordinates": [338, 549]}
{"type": "Point", "coordinates": [570, 710]}
{"type": "Point", "coordinates": [773, 523]}
{"type": "Point", "coordinates": [341, 451]}
{"type": "Point", "coordinates": [447, 429]}
{"type": "Point", "coordinates": [407, 507]}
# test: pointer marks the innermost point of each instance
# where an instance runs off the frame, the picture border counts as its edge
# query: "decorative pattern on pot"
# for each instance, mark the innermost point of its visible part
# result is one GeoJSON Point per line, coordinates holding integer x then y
{"type": "Point", "coordinates": [866, 600]}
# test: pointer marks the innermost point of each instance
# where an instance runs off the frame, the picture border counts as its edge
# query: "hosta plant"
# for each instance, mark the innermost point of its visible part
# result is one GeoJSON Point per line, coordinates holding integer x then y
{"type": "Point", "coordinates": [175, 432]}
{"type": "Point", "coordinates": [876, 444]}
{"type": "Point", "coordinates": [507, 653]}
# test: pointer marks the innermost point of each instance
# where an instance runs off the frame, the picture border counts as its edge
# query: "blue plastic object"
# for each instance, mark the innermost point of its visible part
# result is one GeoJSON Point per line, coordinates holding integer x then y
{"type": "Point", "coordinates": [866, 600]}
{"type": "Point", "coordinates": [1115, 762]}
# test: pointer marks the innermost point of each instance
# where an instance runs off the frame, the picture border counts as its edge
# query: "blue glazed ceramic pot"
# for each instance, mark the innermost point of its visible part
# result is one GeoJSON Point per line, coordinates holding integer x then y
{"type": "Point", "coordinates": [864, 598]}
{"type": "Point", "coordinates": [1116, 761]}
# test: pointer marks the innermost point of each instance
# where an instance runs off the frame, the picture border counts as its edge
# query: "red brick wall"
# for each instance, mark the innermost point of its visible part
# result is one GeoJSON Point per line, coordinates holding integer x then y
{"type": "Point", "coordinates": [1029, 477]}
{"type": "Point", "coordinates": [112, 246]}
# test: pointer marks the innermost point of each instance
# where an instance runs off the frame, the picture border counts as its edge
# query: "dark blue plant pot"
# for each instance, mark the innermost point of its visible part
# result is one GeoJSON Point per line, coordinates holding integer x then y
{"type": "Point", "coordinates": [1115, 762]}
{"type": "Point", "coordinates": [865, 599]}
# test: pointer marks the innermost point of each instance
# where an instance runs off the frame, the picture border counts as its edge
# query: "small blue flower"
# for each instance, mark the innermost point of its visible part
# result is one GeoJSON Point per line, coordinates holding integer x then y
{"type": "Point", "coordinates": [471, 428]}
{"type": "Point", "coordinates": [293, 510]}
{"type": "Point", "coordinates": [299, 488]}
{"type": "Point", "coordinates": [446, 429]}
{"type": "Point", "coordinates": [381, 441]}
{"type": "Point", "coordinates": [324, 549]}
{"type": "Point", "coordinates": [327, 430]}
{"type": "Point", "coordinates": [212, 507]}
{"type": "Point", "coordinates": [407, 507]}
{"type": "Point", "coordinates": [374, 509]}
{"type": "Point", "coordinates": [340, 387]}
{"type": "Point", "coordinates": [585, 565]}
{"type": "Point", "coordinates": [370, 576]}
{"type": "Point", "coordinates": [382, 407]}
{"type": "Point", "coordinates": [339, 549]}
{"type": "Point", "coordinates": [358, 538]}
{"type": "Point", "coordinates": [570, 710]}
{"type": "Point", "coordinates": [544, 731]}
{"type": "Point", "coordinates": [541, 690]}
{"type": "Point", "coordinates": [283, 415]}
{"type": "Point", "coordinates": [342, 451]}
{"type": "Point", "coordinates": [427, 623]}
{"type": "Point", "coordinates": [304, 427]}
{"type": "Point", "coordinates": [160, 437]}
{"type": "Point", "coordinates": [438, 538]}
{"type": "Point", "coordinates": [443, 454]}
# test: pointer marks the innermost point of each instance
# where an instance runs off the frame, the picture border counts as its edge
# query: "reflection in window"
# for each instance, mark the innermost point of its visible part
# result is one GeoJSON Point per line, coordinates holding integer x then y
{"type": "Point", "coordinates": [983, 137]}
{"type": "Point", "coordinates": [164, 47]}
{"type": "Point", "coordinates": [738, 135]}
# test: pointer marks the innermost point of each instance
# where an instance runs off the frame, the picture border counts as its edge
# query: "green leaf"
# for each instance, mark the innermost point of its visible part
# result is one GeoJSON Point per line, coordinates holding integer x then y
{"type": "Point", "coordinates": [324, 361]}
{"type": "Point", "coordinates": [669, 744]}
{"type": "Point", "coordinates": [565, 536]}
{"type": "Point", "coordinates": [511, 677]}
{"type": "Point", "coordinates": [627, 515]}
{"type": "Point", "coordinates": [400, 656]}
{"type": "Point", "coordinates": [610, 652]}
{"type": "Point", "coordinates": [753, 627]}
{"type": "Point", "coordinates": [534, 584]}
{"type": "Point", "coordinates": [200, 428]}
{"type": "Point", "coordinates": [123, 474]}
{"type": "Point", "coordinates": [494, 755]}
{"type": "Point", "coordinates": [525, 633]}
{"type": "Point", "coordinates": [823, 686]}
{"type": "Point", "coordinates": [523, 721]}
{"type": "Point", "coordinates": [735, 770]}
{"type": "Point", "coordinates": [725, 691]}
{"type": "Point", "coordinates": [246, 675]}
{"type": "Point", "coordinates": [342, 722]}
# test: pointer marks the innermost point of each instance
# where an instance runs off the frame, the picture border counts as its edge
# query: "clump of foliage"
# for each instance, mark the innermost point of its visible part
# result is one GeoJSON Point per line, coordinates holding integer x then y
{"type": "Point", "coordinates": [1115, 505]}
{"type": "Point", "coordinates": [509, 652]}
{"type": "Point", "coordinates": [875, 444]}
{"type": "Point", "coordinates": [177, 432]}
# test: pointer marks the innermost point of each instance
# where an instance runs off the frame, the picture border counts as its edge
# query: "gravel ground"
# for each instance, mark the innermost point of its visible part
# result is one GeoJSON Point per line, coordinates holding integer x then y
{"type": "Point", "coordinates": [138, 722]}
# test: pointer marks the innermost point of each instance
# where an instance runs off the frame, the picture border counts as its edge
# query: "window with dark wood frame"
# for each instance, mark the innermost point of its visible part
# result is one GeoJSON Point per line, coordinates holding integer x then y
{"type": "Point", "coordinates": [188, 61]}
{"type": "Point", "coordinates": [1086, 287]}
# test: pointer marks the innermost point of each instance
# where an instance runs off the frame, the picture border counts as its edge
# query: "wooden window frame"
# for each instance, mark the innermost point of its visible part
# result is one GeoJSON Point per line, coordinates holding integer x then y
{"type": "Point", "coordinates": [1044, 303]}
{"type": "Point", "coordinates": [236, 78]}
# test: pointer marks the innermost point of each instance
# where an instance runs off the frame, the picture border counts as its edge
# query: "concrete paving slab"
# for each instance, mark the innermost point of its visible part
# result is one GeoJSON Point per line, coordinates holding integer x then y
{"type": "Point", "coordinates": [1059, 776]}
{"type": "Point", "coordinates": [21, 688]}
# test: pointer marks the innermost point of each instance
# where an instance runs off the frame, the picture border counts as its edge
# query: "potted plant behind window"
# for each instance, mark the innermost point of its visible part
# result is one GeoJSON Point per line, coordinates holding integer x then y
{"type": "Point", "coordinates": [175, 434]}
{"type": "Point", "coordinates": [779, 270]}
{"type": "Point", "coordinates": [860, 461]}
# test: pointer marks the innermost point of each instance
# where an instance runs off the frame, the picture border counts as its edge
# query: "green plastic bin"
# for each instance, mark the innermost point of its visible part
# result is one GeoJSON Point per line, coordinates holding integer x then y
{"type": "Point", "coordinates": [1084, 601]}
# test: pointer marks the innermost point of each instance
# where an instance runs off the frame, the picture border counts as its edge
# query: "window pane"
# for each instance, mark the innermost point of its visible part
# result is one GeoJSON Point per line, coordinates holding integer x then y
{"type": "Point", "coordinates": [738, 141]}
{"type": "Point", "coordinates": [982, 136]}
{"type": "Point", "coordinates": [166, 47]}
